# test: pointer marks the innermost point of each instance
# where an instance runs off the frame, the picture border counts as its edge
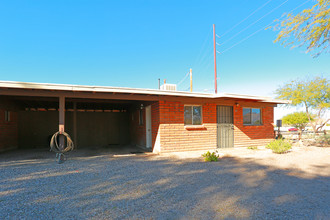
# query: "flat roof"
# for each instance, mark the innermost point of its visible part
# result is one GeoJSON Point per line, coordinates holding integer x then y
{"type": "Point", "coordinates": [110, 89]}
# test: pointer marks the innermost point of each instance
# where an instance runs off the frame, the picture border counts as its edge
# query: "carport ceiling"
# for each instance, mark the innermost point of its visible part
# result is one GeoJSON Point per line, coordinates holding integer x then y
{"type": "Point", "coordinates": [40, 103]}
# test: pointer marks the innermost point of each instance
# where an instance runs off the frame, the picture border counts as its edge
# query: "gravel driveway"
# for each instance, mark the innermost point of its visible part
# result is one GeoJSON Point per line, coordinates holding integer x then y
{"type": "Point", "coordinates": [244, 184]}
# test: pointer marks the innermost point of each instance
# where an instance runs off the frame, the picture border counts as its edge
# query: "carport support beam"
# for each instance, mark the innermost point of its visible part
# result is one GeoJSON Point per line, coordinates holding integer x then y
{"type": "Point", "coordinates": [75, 124]}
{"type": "Point", "coordinates": [61, 120]}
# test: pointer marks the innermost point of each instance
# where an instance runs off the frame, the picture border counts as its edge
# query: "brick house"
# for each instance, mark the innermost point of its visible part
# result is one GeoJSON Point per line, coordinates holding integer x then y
{"type": "Point", "coordinates": [157, 120]}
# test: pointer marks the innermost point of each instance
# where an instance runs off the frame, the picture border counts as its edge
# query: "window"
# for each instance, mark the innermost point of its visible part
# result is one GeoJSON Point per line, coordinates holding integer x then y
{"type": "Point", "coordinates": [193, 115]}
{"type": "Point", "coordinates": [7, 116]}
{"type": "Point", "coordinates": [140, 117]}
{"type": "Point", "coordinates": [252, 116]}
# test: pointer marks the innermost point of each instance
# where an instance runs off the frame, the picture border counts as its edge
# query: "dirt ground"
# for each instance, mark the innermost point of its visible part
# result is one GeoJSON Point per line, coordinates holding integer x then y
{"type": "Point", "coordinates": [243, 184]}
{"type": "Point", "coordinates": [307, 161]}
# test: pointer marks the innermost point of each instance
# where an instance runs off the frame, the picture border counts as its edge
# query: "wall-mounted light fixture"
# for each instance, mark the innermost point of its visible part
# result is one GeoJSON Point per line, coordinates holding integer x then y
{"type": "Point", "coordinates": [237, 105]}
{"type": "Point", "coordinates": [141, 106]}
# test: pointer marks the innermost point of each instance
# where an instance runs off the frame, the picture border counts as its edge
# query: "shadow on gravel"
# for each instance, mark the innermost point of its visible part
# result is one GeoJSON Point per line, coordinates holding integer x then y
{"type": "Point", "coordinates": [103, 186]}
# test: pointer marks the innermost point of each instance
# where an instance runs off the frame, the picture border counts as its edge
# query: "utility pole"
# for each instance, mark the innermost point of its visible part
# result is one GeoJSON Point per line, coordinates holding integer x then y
{"type": "Point", "coordinates": [215, 62]}
{"type": "Point", "coordinates": [191, 80]}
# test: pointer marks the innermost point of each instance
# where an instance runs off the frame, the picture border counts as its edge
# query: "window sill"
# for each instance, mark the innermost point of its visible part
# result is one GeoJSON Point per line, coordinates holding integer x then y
{"type": "Point", "coordinates": [195, 127]}
{"type": "Point", "coordinates": [252, 125]}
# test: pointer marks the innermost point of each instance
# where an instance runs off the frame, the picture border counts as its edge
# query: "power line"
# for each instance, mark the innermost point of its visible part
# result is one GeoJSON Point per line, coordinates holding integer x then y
{"type": "Point", "coordinates": [202, 48]}
{"type": "Point", "coordinates": [244, 19]}
{"type": "Point", "coordinates": [205, 63]}
{"type": "Point", "coordinates": [243, 39]}
{"type": "Point", "coordinates": [205, 58]}
{"type": "Point", "coordinates": [251, 34]}
{"type": "Point", "coordinates": [259, 30]}
{"type": "Point", "coordinates": [187, 89]}
{"type": "Point", "coordinates": [182, 79]}
{"type": "Point", "coordinates": [254, 23]}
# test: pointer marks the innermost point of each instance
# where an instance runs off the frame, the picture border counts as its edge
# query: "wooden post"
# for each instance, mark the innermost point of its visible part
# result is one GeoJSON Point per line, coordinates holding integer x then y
{"type": "Point", "coordinates": [61, 121]}
{"type": "Point", "coordinates": [75, 124]}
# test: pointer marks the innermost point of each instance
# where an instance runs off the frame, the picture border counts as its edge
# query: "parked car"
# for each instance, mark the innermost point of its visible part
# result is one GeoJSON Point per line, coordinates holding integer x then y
{"type": "Point", "coordinates": [292, 129]}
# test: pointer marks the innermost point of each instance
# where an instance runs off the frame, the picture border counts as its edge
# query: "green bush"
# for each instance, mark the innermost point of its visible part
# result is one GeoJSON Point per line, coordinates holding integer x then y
{"type": "Point", "coordinates": [210, 157]}
{"type": "Point", "coordinates": [324, 140]}
{"type": "Point", "coordinates": [252, 148]}
{"type": "Point", "coordinates": [279, 146]}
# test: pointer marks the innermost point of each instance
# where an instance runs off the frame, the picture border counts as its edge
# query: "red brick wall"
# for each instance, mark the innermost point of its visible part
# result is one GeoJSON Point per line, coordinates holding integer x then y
{"type": "Point", "coordinates": [8, 131]}
{"type": "Point", "coordinates": [170, 134]}
{"type": "Point", "coordinates": [245, 135]}
{"type": "Point", "coordinates": [174, 136]}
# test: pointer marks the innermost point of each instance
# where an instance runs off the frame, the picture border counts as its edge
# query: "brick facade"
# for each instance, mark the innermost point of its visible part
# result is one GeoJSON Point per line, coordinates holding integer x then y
{"type": "Point", "coordinates": [245, 135]}
{"type": "Point", "coordinates": [8, 131]}
{"type": "Point", "coordinates": [170, 134]}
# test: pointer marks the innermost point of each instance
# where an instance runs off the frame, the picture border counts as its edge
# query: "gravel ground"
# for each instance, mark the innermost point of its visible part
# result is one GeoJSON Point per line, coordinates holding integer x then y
{"type": "Point", "coordinates": [249, 184]}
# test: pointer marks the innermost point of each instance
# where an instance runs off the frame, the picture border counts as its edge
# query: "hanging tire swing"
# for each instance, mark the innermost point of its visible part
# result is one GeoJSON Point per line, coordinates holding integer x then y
{"type": "Point", "coordinates": [58, 149]}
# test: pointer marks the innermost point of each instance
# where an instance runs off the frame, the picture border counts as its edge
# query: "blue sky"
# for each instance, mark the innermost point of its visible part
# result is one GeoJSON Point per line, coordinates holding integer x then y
{"type": "Point", "coordinates": [133, 43]}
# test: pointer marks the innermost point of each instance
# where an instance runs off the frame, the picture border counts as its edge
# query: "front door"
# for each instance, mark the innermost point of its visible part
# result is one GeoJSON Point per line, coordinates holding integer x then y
{"type": "Point", "coordinates": [225, 126]}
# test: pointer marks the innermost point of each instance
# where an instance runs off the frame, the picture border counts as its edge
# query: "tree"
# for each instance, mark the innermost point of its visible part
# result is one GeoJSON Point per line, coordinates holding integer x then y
{"type": "Point", "coordinates": [310, 27]}
{"type": "Point", "coordinates": [313, 94]}
{"type": "Point", "coordinates": [298, 120]}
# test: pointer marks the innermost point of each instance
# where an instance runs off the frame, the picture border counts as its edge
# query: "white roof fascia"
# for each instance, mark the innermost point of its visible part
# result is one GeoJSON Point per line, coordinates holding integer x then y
{"type": "Point", "coordinates": [79, 88]}
{"type": "Point", "coordinates": [105, 89]}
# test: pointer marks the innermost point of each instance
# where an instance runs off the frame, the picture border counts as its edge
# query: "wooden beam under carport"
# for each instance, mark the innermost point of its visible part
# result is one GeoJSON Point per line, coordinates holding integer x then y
{"type": "Point", "coordinates": [61, 121]}
{"type": "Point", "coordinates": [75, 124]}
{"type": "Point", "coordinates": [75, 94]}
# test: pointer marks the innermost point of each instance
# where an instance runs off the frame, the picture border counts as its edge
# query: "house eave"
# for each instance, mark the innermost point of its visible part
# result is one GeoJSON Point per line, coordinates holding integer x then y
{"type": "Point", "coordinates": [133, 91]}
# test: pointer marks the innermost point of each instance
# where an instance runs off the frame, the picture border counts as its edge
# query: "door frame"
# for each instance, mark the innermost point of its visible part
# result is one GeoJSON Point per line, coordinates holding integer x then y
{"type": "Point", "coordinates": [230, 123]}
{"type": "Point", "coordinates": [148, 127]}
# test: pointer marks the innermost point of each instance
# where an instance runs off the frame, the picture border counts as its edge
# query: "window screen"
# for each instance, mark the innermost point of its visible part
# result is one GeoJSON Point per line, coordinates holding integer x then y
{"type": "Point", "coordinates": [252, 116]}
{"type": "Point", "coordinates": [193, 115]}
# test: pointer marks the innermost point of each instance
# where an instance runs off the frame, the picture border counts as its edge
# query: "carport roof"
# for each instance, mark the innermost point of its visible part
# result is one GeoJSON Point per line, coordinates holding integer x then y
{"type": "Point", "coordinates": [137, 91]}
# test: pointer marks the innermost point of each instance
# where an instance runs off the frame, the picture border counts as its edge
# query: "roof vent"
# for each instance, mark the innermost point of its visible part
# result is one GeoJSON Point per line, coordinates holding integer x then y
{"type": "Point", "coordinates": [168, 87]}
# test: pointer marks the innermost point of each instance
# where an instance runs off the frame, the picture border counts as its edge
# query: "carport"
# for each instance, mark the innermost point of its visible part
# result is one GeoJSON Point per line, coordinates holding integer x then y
{"type": "Point", "coordinates": [92, 118]}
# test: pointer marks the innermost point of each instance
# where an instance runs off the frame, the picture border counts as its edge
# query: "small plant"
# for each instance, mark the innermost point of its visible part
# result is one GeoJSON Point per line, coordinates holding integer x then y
{"type": "Point", "coordinates": [252, 148]}
{"type": "Point", "coordinates": [324, 140]}
{"type": "Point", "coordinates": [210, 157]}
{"type": "Point", "coordinates": [279, 146]}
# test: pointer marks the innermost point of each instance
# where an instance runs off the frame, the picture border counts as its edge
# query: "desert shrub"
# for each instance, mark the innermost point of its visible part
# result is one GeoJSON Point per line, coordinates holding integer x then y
{"type": "Point", "coordinates": [252, 148]}
{"type": "Point", "coordinates": [210, 157]}
{"type": "Point", "coordinates": [324, 140]}
{"type": "Point", "coordinates": [279, 146]}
